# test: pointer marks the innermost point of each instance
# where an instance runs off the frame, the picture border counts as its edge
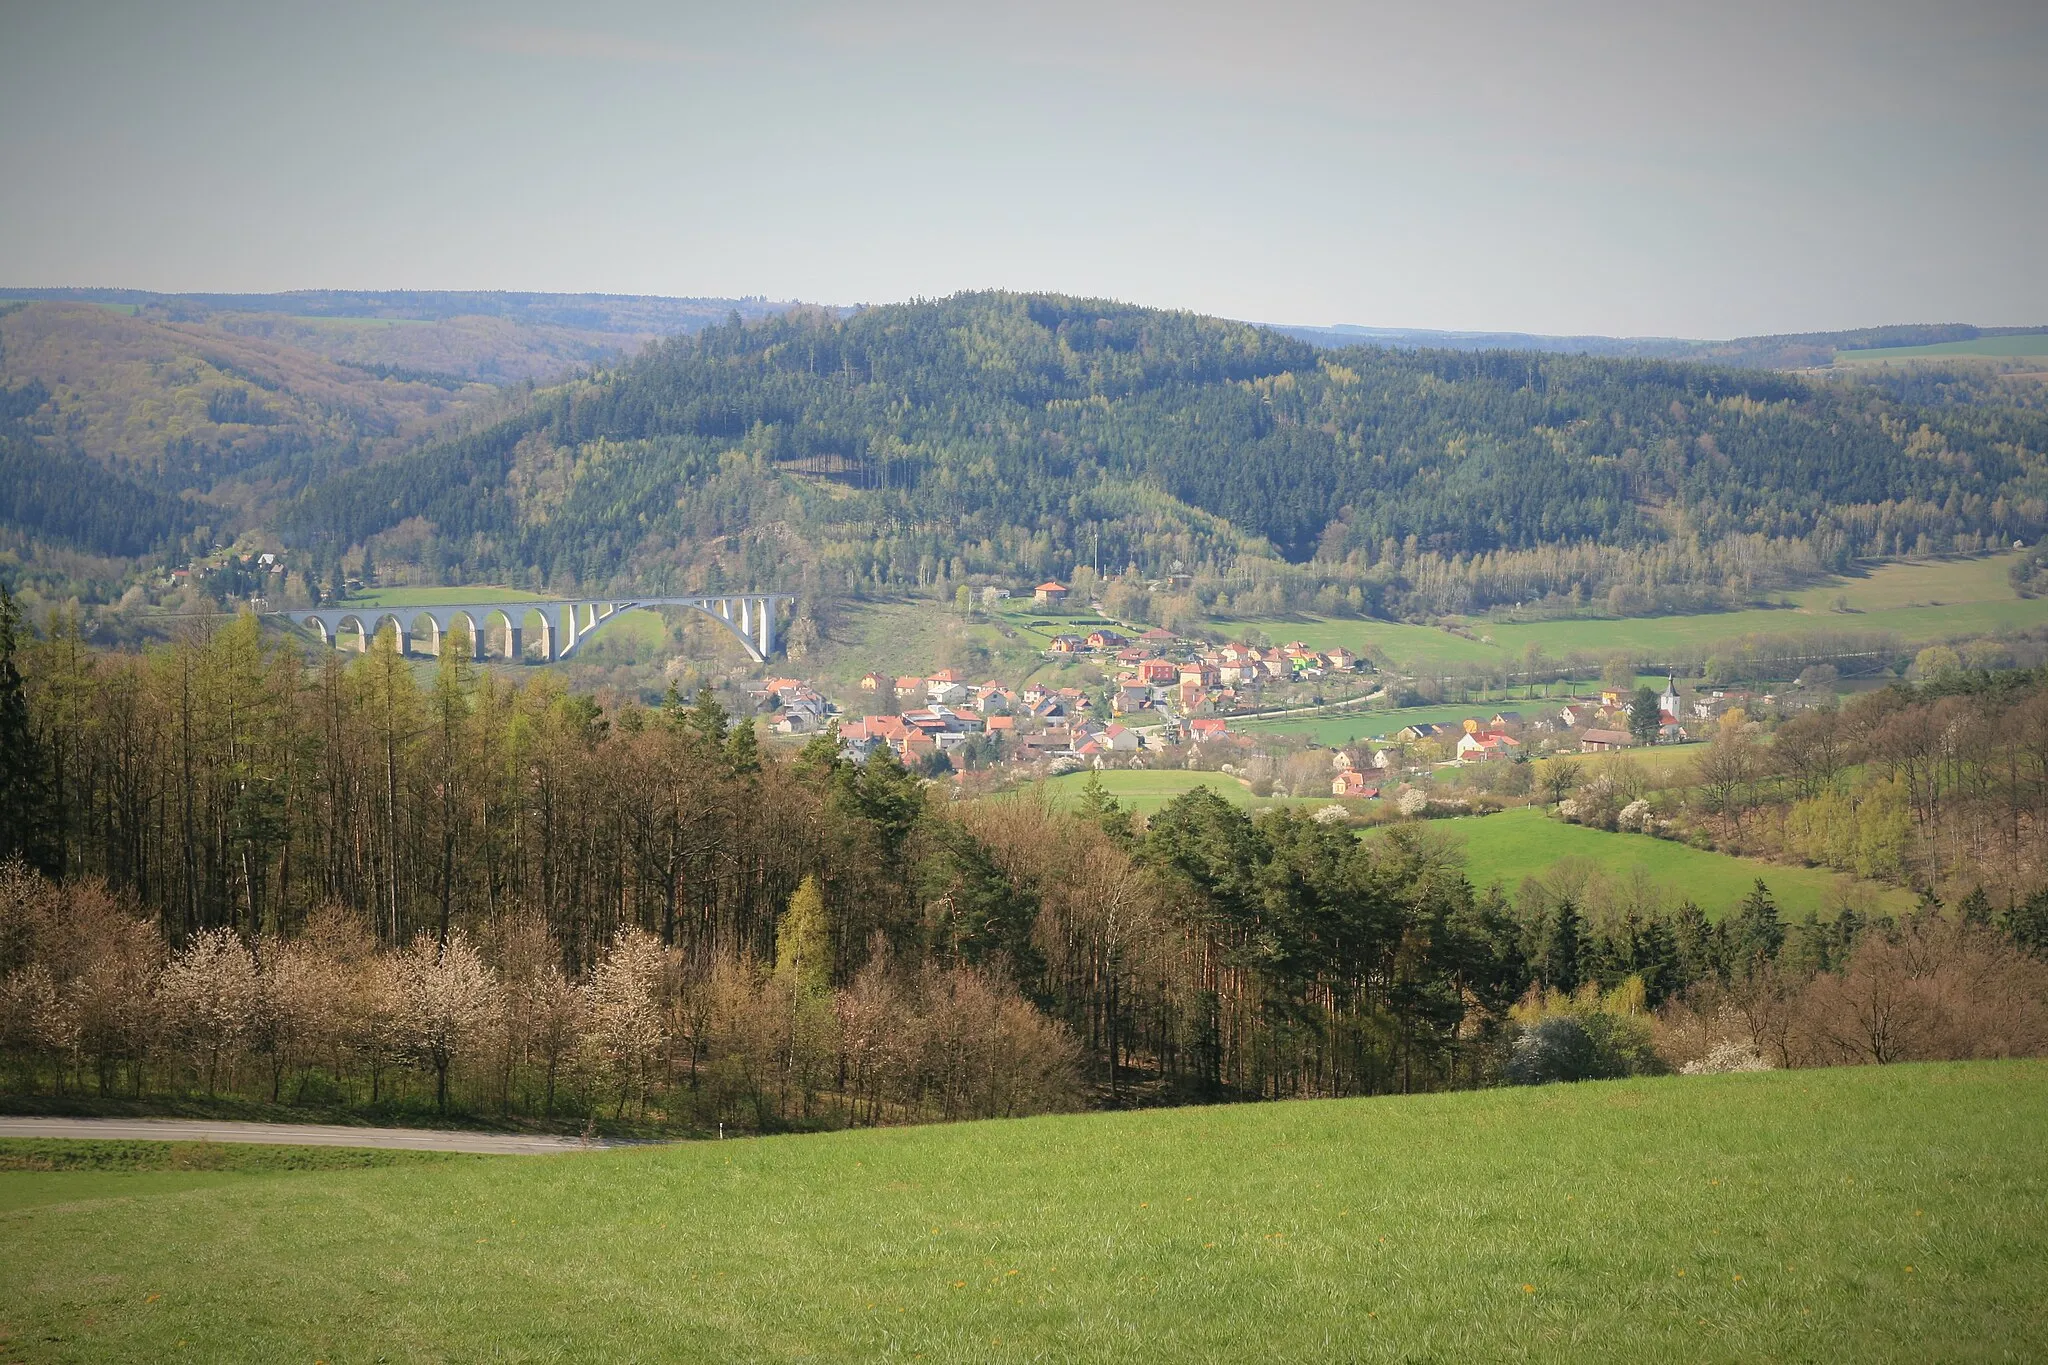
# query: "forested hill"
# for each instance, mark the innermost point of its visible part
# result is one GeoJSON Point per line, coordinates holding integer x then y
{"type": "Point", "coordinates": [1000, 433]}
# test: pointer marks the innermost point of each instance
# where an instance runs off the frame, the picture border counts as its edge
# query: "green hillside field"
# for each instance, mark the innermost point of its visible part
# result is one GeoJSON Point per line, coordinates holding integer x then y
{"type": "Point", "coordinates": [1527, 842]}
{"type": "Point", "coordinates": [1869, 1214]}
{"type": "Point", "coordinates": [1146, 791]}
{"type": "Point", "coordinates": [1920, 601]}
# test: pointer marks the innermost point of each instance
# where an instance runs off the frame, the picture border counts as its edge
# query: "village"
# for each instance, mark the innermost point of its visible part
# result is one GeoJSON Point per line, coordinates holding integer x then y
{"type": "Point", "coordinates": [1172, 701]}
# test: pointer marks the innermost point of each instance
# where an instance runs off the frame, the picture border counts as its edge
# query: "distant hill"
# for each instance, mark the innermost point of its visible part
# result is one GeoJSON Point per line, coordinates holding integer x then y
{"type": "Point", "coordinates": [131, 418]}
{"type": "Point", "coordinates": [496, 337]}
{"type": "Point", "coordinates": [1795, 351]}
{"type": "Point", "coordinates": [989, 436]}
{"type": "Point", "coordinates": [999, 434]}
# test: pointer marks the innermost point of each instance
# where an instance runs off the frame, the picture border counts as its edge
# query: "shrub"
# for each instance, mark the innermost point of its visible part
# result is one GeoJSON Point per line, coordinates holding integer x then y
{"type": "Point", "coordinates": [1556, 1049]}
{"type": "Point", "coordinates": [1587, 1036]}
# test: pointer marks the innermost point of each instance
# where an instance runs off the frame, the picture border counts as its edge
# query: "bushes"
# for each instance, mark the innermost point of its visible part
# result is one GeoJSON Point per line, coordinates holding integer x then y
{"type": "Point", "coordinates": [1582, 1037]}
{"type": "Point", "coordinates": [1930, 989]}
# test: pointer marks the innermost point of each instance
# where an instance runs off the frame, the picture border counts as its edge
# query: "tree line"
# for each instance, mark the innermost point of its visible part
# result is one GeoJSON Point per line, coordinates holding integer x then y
{"type": "Point", "coordinates": [360, 884]}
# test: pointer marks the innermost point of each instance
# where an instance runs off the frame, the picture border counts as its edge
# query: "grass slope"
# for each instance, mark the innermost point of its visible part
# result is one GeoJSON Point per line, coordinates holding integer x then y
{"type": "Point", "coordinates": [36, 1171]}
{"type": "Point", "coordinates": [1145, 792]}
{"type": "Point", "coordinates": [1918, 601]}
{"type": "Point", "coordinates": [1515, 844]}
{"type": "Point", "coordinates": [1869, 1214]}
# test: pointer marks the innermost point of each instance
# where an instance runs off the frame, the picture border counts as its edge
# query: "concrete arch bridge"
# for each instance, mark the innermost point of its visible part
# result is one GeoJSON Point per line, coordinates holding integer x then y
{"type": "Point", "coordinates": [564, 626]}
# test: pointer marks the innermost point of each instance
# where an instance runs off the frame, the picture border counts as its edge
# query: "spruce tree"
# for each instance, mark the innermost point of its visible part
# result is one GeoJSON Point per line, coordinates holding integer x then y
{"type": "Point", "coordinates": [1645, 718]}
{"type": "Point", "coordinates": [1756, 932]}
{"type": "Point", "coordinates": [1562, 942]}
{"type": "Point", "coordinates": [743, 749]}
{"type": "Point", "coordinates": [707, 717]}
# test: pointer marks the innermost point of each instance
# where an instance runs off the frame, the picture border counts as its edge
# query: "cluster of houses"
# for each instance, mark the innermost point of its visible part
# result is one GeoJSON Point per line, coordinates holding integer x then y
{"type": "Point", "coordinates": [261, 563]}
{"type": "Point", "coordinates": [1594, 725]}
{"type": "Point", "coordinates": [794, 706]}
{"type": "Point", "coordinates": [1161, 673]}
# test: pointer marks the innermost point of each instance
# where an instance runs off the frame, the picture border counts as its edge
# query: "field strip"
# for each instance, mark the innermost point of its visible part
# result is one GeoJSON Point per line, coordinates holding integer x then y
{"type": "Point", "coordinates": [294, 1135]}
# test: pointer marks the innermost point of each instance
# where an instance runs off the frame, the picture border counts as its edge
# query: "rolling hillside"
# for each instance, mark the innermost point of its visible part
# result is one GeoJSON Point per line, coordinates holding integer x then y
{"type": "Point", "coordinates": [1875, 1214]}
{"type": "Point", "coordinates": [1002, 434]}
{"type": "Point", "coordinates": [128, 419]}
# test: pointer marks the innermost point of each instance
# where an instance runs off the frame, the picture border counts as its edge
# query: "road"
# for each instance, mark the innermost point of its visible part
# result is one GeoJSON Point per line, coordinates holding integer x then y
{"type": "Point", "coordinates": [293, 1135]}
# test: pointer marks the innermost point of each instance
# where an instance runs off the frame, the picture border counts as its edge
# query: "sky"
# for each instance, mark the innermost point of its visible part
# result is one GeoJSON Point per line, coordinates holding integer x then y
{"type": "Point", "coordinates": [1699, 170]}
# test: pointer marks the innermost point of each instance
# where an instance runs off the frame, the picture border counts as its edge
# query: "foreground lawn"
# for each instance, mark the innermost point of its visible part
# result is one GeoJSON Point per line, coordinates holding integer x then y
{"type": "Point", "coordinates": [1526, 842]}
{"type": "Point", "coordinates": [1871, 1214]}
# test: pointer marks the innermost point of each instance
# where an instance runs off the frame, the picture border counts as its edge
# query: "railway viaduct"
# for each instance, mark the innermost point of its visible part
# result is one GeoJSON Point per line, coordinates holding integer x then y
{"type": "Point", "coordinates": [564, 626]}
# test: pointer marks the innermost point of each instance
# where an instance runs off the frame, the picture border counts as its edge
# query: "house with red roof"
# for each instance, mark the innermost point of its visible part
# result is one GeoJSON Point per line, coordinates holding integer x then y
{"type": "Point", "coordinates": [1354, 785]}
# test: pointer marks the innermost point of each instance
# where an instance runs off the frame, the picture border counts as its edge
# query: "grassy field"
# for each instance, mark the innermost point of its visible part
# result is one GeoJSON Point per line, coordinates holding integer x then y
{"type": "Point", "coordinates": [1874, 1214]}
{"type": "Point", "coordinates": [1146, 792]}
{"type": "Point", "coordinates": [1918, 601]}
{"type": "Point", "coordinates": [56, 1171]}
{"type": "Point", "coordinates": [1345, 727]}
{"type": "Point", "coordinates": [1526, 842]}
{"type": "Point", "coordinates": [2031, 344]}
{"type": "Point", "coordinates": [438, 597]}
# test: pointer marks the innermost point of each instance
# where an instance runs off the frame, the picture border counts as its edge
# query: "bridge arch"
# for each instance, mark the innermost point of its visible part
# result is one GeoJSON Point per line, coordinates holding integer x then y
{"type": "Point", "coordinates": [513, 636]}
{"type": "Point", "coordinates": [404, 640]}
{"type": "Point", "coordinates": [362, 632]}
{"type": "Point", "coordinates": [434, 627]}
{"type": "Point", "coordinates": [470, 631]}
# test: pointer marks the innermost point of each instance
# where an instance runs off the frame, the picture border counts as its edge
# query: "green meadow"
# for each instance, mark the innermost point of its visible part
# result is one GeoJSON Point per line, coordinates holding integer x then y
{"type": "Point", "coordinates": [1920, 601]}
{"type": "Point", "coordinates": [1870, 1214]}
{"type": "Point", "coordinates": [1146, 791]}
{"type": "Point", "coordinates": [37, 1171]}
{"type": "Point", "coordinates": [437, 597]}
{"type": "Point", "coordinates": [1527, 842]}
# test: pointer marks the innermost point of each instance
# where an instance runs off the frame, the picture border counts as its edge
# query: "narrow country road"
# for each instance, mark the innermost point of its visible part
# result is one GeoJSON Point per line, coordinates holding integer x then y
{"type": "Point", "coordinates": [293, 1135]}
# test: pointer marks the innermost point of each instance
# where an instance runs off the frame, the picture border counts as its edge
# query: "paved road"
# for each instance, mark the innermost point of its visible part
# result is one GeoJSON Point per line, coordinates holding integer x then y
{"type": "Point", "coordinates": [292, 1135]}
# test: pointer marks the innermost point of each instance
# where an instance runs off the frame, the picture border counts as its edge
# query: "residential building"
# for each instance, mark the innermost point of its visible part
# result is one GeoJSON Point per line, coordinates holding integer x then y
{"type": "Point", "coordinates": [1354, 785]}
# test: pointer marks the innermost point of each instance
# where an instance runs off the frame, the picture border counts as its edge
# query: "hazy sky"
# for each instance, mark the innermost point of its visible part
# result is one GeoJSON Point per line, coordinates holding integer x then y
{"type": "Point", "coordinates": [1690, 169]}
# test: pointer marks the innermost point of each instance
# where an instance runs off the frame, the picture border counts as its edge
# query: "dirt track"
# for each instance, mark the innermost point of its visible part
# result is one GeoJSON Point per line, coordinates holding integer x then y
{"type": "Point", "coordinates": [292, 1135]}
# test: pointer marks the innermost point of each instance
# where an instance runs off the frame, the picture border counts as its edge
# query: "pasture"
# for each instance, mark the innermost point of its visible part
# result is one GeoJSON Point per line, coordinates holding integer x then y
{"type": "Point", "coordinates": [1337, 728]}
{"type": "Point", "coordinates": [1871, 1213]}
{"type": "Point", "coordinates": [1146, 791]}
{"type": "Point", "coordinates": [1527, 842]}
{"type": "Point", "coordinates": [1919, 601]}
